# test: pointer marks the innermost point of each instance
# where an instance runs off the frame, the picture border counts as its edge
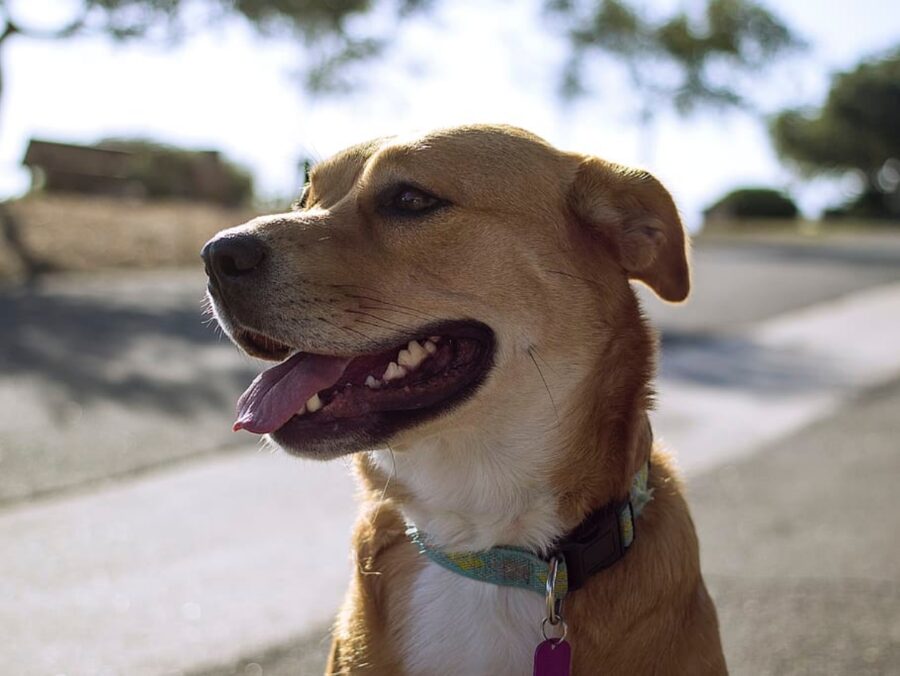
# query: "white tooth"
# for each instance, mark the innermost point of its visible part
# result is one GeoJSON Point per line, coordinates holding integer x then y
{"type": "Point", "coordinates": [408, 359]}
{"type": "Point", "coordinates": [417, 351]}
{"type": "Point", "coordinates": [301, 411]}
{"type": "Point", "coordinates": [393, 372]}
{"type": "Point", "coordinates": [434, 339]}
{"type": "Point", "coordinates": [430, 347]}
{"type": "Point", "coordinates": [372, 383]}
{"type": "Point", "coordinates": [313, 404]}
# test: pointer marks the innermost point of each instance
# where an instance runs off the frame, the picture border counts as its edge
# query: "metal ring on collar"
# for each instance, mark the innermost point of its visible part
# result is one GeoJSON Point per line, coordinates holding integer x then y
{"type": "Point", "coordinates": [552, 606]}
{"type": "Point", "coordinates": [565, 630]}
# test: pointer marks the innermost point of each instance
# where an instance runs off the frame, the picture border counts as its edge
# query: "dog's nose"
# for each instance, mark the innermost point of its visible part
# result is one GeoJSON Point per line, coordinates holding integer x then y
{"type": "Point", "coordinates": [233, 255]}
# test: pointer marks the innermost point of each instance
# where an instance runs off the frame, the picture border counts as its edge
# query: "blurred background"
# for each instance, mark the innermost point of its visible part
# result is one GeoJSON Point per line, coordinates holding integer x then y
{"type": "Point", "coordinates": [138, 535]}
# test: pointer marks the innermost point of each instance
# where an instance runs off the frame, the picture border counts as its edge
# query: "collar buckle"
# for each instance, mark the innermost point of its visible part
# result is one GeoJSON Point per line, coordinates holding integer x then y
{"type": "Point", "coordinates": [596, 544]}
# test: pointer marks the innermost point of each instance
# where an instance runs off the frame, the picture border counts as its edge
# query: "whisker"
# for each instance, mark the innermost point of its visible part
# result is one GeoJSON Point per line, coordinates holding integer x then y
{"type": "Point", "coordinates": [345, 328]}
{"type": "Point", "coordinates": [379, 300]}
{"type": "Point", "coordinates": [392, 304]}
{"type": "Point", "coordinates": [546, 387]}
{"type": "Point", "coordinates": [381, 502]}
{"type": "Point", "coordinates": [386, 483]}
{"type": "Point", "coordinates": [569, 274]}
{"type": "Point", "coordinates": [399, 312]}
{"type": "Point", "coordinates": [380, 319]}
{"type": "Point", "coordinates": [363, 321]}
{"type": "Point", "coordinates": [541, 357]}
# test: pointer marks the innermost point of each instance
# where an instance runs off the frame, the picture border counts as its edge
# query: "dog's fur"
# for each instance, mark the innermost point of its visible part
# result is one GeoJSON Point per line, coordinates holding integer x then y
{"type": "Point", "coordinates": [540, 245]}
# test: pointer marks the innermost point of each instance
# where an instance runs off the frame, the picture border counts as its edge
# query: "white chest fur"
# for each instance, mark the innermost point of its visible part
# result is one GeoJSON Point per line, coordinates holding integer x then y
{"type": "Point", "coordinates": [456, 625]}
{"type": "Point", "coordinates": [468, 497]}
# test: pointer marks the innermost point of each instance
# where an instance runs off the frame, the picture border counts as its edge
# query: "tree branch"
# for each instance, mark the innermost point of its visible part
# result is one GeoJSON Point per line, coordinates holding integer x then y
{"type": "Point", "coordinates": [13, 27]}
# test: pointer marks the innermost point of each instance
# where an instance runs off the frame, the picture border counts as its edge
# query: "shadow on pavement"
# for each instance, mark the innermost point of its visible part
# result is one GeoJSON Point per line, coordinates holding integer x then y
{"type": "Point", "coordinates": [856, 253]}
{"type": "Point", "coordinates": [88, 348]}
{"type": "Point", "coordinates": [732, 361]}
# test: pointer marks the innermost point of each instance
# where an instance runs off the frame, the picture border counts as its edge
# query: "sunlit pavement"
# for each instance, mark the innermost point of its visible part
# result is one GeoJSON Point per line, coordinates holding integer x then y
{"type": "Point", "coordinates": [218, 559]}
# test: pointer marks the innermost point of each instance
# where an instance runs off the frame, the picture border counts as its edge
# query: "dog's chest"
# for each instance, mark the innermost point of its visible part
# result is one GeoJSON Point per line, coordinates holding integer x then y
{"type": "Point", "coordinates": [456, 625]}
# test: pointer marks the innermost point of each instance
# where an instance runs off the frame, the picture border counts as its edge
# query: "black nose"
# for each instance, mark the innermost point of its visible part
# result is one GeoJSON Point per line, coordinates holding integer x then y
{"type": "Point", "coordinates": [233, 255]}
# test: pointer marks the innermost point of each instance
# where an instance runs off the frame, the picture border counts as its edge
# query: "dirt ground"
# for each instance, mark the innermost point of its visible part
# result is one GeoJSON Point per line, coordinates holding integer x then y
{"type": "Point", "coordinates": [42, 233]}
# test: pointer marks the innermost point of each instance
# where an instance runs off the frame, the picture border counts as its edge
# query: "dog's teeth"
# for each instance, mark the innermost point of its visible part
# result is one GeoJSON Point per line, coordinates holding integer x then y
{"type": "Point", "coordinates": [313, 404]}
{"type": "Point", "coordinates": [417, 351]}
{"type": "Point", "coordinates": [301, 411]}
{"type": "Point", "coordinates": [405, 358]}
{"type": "Point", "coordinates": [430, 347]}
{"type": "Point", "coordinates": [413, 356]}
{"type": "Point", "coordinates": [393, 372]}
{"type": "Point", "coordinates": [434, 339]}
{"type": "Point", "coordinates": [373, 383]}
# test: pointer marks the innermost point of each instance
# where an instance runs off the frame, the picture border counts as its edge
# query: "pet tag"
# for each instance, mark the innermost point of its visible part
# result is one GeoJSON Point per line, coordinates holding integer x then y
{"type": "Point", "coordinates": [553, 657]}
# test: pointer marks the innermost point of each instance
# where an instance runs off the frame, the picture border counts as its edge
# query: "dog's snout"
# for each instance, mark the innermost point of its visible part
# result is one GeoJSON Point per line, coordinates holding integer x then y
{"type": "Point", "coordinates": [233, 256]}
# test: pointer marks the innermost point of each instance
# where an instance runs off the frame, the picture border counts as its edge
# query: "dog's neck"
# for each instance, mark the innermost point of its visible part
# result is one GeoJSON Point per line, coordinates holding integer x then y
{"type": "Point", "coordinates": [468, 492]}
{"type": "Point", "coordinates": [524, 482]}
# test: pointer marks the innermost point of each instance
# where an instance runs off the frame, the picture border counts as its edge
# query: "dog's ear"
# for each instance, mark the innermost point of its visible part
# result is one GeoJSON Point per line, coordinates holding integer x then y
{"type": "Point", "coordinates": [635, 214]}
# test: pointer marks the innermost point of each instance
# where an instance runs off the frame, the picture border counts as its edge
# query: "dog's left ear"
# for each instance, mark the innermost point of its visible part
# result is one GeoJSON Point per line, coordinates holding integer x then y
{"type": "Point", "coordinates": [635, 214]}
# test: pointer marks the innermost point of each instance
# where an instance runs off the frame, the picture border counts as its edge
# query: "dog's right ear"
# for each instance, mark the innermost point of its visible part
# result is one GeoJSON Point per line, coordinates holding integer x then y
{"type": "Point", "coordinates": [635, 214]}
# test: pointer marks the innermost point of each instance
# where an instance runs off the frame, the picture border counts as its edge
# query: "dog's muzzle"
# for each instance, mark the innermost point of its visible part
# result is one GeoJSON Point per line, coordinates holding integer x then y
{"type": "Point", "coordinates": [233, 259]}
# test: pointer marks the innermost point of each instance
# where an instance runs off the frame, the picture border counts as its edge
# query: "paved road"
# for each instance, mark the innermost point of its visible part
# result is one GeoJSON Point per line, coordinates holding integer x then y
{"type": "Point", "coordinates": [108, 375]}
{"type": "Point", "coordinates": [105, 378]}
{"type": "Point", "coordinates": [800, 544]}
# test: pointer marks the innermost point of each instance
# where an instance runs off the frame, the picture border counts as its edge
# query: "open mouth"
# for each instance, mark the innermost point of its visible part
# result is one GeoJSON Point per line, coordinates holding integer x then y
{"type": "Point", "coordinates": [315, 404]}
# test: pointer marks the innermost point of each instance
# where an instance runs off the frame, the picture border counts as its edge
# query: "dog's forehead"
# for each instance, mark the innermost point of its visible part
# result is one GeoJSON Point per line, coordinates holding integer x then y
{"type": "Point", "coordinates": [469, 146]}
{"type": "Point", "coordinates": [472, 160]}
{"type": "Point", "coordinates": [339, 172]}
{"type": "Point", "coordinates": [477, 164]}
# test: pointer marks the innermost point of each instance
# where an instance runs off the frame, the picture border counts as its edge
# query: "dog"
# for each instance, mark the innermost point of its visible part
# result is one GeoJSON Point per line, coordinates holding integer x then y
{"type": "Point", "coordinates": [456, 310]}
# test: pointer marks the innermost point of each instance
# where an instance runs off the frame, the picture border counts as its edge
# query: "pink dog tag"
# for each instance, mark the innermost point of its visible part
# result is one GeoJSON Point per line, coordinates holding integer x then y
{"type": "Point", "coordinates": [553, 657]}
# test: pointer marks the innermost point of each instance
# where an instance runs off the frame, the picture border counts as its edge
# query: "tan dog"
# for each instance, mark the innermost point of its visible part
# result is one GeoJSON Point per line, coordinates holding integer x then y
{"type": "Point", "coordinates": [460, 316]}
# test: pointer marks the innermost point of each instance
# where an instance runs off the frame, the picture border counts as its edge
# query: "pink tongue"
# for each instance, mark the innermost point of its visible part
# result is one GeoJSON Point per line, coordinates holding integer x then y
{"type": "Point", "coordinates": [278, 393]}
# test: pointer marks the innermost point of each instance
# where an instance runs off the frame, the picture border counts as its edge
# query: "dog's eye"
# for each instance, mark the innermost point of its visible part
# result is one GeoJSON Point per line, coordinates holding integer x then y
{"type": "Point", "coordinates": [412, 200]}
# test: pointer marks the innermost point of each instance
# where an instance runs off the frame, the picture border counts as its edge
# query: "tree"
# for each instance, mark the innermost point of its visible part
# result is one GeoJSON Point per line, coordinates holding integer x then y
{"type": "Point", "coordinates": [856, 129]}
{"type": "Point", "coordinates": [681, 61]}
{"type": "Point", "coordinates": [321, 24]}
{"type": "Point", "coordinates": [752, 203]}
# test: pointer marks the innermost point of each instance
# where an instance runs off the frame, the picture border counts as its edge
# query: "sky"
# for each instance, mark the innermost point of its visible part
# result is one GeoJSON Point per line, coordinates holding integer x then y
{"type": "Point", "coordinates": [491, 61]}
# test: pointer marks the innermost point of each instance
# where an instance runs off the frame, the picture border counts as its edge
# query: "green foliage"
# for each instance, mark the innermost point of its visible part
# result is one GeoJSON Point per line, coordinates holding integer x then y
{"type": "Point", "coordinates": [755, 203]}
{"type": "Point", "coordinates": [322, 25]}
{"type": "Point", "coordinates": [135, 18]}
{"type": "Point", "coordinates": [858, 127]}
{"type": "Point", "coordinates": [688, 60]}
{"type": "Point", "coordinates": [871, 205]}
{"type": "Point", "coordinates": [167, 171]}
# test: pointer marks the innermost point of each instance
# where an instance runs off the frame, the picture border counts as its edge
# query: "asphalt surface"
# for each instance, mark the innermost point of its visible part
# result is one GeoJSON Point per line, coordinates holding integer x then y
{"type": "Point", "coordinates": [105, 376]}
{"type": "Point", "coordinates": [800, 544]}
{"type": "Point", "coordinates": [114, 397]}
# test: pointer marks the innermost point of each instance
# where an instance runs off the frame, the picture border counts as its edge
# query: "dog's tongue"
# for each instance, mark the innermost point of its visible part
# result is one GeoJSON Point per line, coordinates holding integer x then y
{"type": "Point", "coordinates": [279, 392]}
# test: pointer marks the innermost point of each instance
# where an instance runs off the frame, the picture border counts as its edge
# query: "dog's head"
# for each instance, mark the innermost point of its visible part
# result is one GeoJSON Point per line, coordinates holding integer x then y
{"type": "Point", "coordinates": [447, 281]}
